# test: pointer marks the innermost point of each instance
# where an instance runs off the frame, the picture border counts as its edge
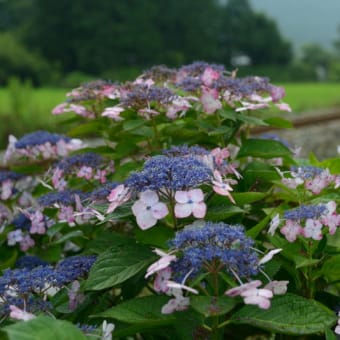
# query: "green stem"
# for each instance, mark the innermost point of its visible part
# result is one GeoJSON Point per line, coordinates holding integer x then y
{"type": "Point", "coordinates": [219, 124]}
{"type": "Point", "coordinates": [172, 210]}
{"type": "Point", "coordinates": [155, 132]}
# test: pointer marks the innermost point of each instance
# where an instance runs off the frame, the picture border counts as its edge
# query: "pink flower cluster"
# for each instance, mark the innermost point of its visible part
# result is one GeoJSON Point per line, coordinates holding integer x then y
{"type": "Point", "coordinates": [44, 151]}
{"type": "Point", "coordinates": [250, 292]}
{"type": "Point", "coordinates": [252, 295]}
{"type": "Point", "coordinates": [312, 178]}
{"type": "Point", "coordinates": [307, 226]}
{"type": "Point", "coordinates": [96, 92]}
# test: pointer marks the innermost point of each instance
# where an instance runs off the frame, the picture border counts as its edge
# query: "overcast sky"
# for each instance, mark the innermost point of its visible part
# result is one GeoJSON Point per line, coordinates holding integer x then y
{"type": "Point", "coordinates": [304, 21]}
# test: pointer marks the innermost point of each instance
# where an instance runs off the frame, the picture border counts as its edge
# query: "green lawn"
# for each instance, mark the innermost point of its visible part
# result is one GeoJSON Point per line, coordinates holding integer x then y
{"type": "Point", "coordinates": [304, 97]}
{"type": "Point", "coordinates": [27, 111]}
{"type": "Point", "coordinates": [23, 112]}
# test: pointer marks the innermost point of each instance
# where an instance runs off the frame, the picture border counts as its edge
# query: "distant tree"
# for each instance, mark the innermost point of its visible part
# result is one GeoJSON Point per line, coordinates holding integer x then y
{"type": "Point", "coordinates": [336, 42]}
{"type": "Point", "coordinates": [189, 30]}
{"type": "Point", "coordinates": [97, 36]}
{"type": "Point", "coordinates": [254, 34]}
{"type": "Point", "coordinates": [316, 55]}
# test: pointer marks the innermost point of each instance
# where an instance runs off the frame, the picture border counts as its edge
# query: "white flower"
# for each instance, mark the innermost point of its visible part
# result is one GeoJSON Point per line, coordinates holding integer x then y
{"type": "Point", "coordinates": [148, 210]}
{"type": "Point", "coordinates": [107, 328]}
{"type": "Point", "coordinates": [190, 202]}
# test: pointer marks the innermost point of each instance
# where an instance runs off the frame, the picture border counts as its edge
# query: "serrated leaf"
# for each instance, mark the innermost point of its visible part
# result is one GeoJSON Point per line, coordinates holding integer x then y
{"type": "Point", "coordinates": [288, 314]}
{"type": "Point", "coordinates": [43, 328]}
{"type": "Point", "coordinates": [212, 306]}
{"type": "Point", "coordinates": [263, 148]}
{"type": "Point", "coordinates": [117, 265]}
{"type": "Point", "coordinates": [146, 310]}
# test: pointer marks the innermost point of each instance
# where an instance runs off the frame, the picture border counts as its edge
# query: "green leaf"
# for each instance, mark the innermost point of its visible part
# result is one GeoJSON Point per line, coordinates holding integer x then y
{"type": "Point", "coordinates": [212, 306]}
{"type": "Point", "coordinates": [263, 148]}
{"type": "Point", "coordinates": [331, 269]}
{"type": "Point", "coordinates": [8, 257]}
{"type": "Point", "coordinates": [146, 310]}
{"type": "Point", "coordinates": [289, 248]}
{"type": "Point", "coordinates": [144, 131]}
{"type": "Point", "coordinates": [301, 261]}
{"type": "Point", "coordinates": [279, 122]}
{"type": "Point", "coordinates": [255, 231]}
{"type": "Point", "coordinates": [55, 229]}
{"type": "Point", "coordinates": [222, 130]}
{"type": "Point", "coordinates": [242, 198]}
{"type": "Point", "coordinates": [43, 328]}
{"type": "Point", "coordinates": [222, 211]}
{"type": "Point", "coordinates": [250, 120]}
{"type": "Point", "coordinates": [121, 212]}
{"type": "Point", "coordinates": [84, 129]}
{"type": "Point", "coordinates": [258, 173]}
{"type": "Point", "coordinates": [117, 265]}
{"type": "Point", "coordinates": [68, 236]}
{"type": "Point", "coordinates": [288, 314]}
{"type": "Point", "coordinates": [330, 335]}
{"type": "Point", "coordinates": [106, 239]}
{"type": "Point", "coordinates": [157, 237]}
{"type": "Point", "coordinates": [133, 124]}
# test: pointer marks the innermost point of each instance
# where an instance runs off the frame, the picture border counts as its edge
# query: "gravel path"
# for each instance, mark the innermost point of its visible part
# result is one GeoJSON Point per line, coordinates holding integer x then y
{"type": "Point", "coordinates": [322, 137]}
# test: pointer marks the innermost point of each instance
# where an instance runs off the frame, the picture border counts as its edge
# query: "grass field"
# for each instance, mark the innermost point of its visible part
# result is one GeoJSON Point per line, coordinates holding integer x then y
{"type": "Point", "coordinates": [26, 111]}
{"type": "Point", "coordinates": [312, 96]}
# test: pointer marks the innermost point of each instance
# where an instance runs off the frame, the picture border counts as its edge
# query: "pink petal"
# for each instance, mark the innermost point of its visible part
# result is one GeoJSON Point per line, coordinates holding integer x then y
{"type": "Point", "coordinates": [238, 290]}
{"type": "Point", "coordinates": [181, 196]}
{"type": "Point", "coordinates": [149, 197]}
{"type": "Point", "coordinates": [160, 283]}
{"type": "Point", "coordinates": [138, 208]}
{"type": "Point", "coordinates": [170, 307]}
{"type": "Point", "coordinates": [172, 284]}
{"type": "Point", "coordinates": [257, 300]}
{"type": "Point", "coordinates": [209, 100]}
{"type": "Point", "coordinates": [269, 256]}
{"type": "Point", "coordinates": [183, 210]}
{"type": "Point", "coordinates": [159, 210]}
{"type": "Point", "coordinates": [159, 265]}
{"type": "Point", "coordinates": [274, 224]}
{"type": "Point", "coordinates": [196, 195]}
{"type": "Point", "coordinates": [199, 210]}
{"type": "Point", "coordinates": [277, 287]}
{"type": "Point", "coordinates": [146, 220]}
{"type": "Point", "coordinates": [284, 107]}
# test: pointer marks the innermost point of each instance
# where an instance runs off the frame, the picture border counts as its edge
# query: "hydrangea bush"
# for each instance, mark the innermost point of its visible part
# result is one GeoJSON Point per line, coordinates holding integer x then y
{"type": "Point", "coordinates": [179, 224]}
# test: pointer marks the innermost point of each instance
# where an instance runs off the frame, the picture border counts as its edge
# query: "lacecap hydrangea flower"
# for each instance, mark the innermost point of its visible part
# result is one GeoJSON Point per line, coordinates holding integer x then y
{"type": "Point", "coordinates": [307, 221]}
{"type": "Point", "coordinates": [207, 247]}
{"type": "Point", "coordinates": [40, 145]}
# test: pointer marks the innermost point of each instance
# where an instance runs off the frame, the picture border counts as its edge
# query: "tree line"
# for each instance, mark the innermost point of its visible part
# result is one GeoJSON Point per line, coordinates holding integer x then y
{"type": "Point", "coordinates": [96, 36]}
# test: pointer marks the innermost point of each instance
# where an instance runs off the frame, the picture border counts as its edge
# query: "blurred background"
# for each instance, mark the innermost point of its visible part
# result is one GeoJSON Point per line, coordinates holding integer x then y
{"type": "Point", "coordinates": [48, 47]}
